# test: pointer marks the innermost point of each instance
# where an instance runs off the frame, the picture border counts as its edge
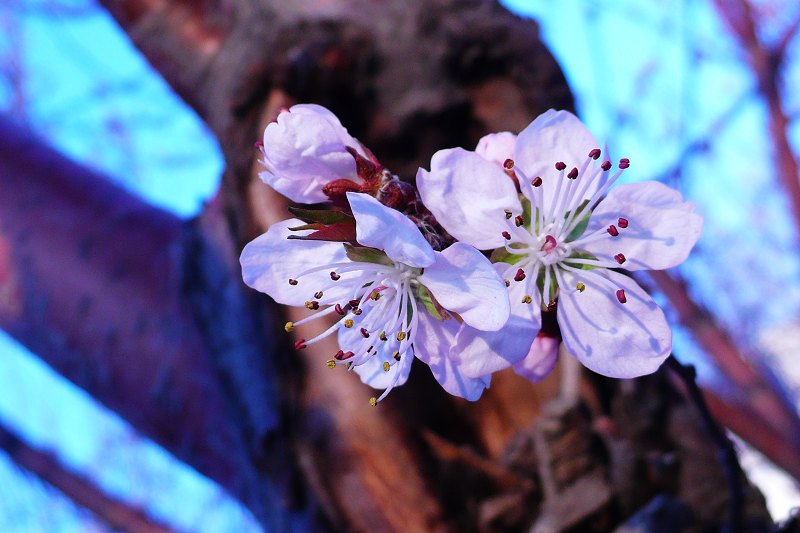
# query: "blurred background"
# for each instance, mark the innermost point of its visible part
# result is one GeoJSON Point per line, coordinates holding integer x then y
{"type": "Point", "coordinates": [670, 84]}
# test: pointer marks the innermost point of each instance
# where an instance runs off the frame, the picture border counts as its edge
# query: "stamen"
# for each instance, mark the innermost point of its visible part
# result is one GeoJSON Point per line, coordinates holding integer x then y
{"type": "Point", "coordinates": [622, 222]}
{"type": "Point", "coordinates": [348, 323]}
{"type": "Point", "coordinates": [508, 164]}
{"type": "Point", "coordinates": [292, 281]}
{"type": "Point", "coordinates": [508, 213]}
{"type": "Point", "coordinates": [339, 310]}
{"type": "Point", "coordinates": [573, 174]}
{"type": "Point", "coordinates": [354, 303]}
{"type": "Point", "coordinates": [621, 296]}
{"type": "Point", "coordinates": [624, 163]}
{"type": "Point", "coordinates": [527, 299]}
{"type": "Point", "coordinates": [373, 401]}
{"type": "Point", "coordinates": [520, 275]}
{"type": "Point", "coordinates": [612, 230]}
{"type": "Point", "coordinates": [506, 235]}
{"type": "Point", "coordinates": [401, 335]}
{"type": "Point", "coordinates": [620, 258]}
{"type": "Point", "coordinates": [519, 221]}
{"type": "Point", "coordinates": [396, 355]}
{"type": "Point", "coordinates": [331, 363]}
{"type": "Point", "coordinates": [299, 344]}
{"type": "Point", "coordinates": [595, 154]}
{"type": "Point", "coordinates": [357, 311]}
{"type": "Point", "coordinates": [289, 326]}
{"type": "Point", "coordinates": [580, 286]}
{"type": "Point", "coordinates": [606, 165]}
{"type": "Point", "coordinates": [375, 295]}
{"type": "Point", "coordinates": [335, 276]}
{"type": "Point", "coordinates": [313, 305]}
{"type": "Point", "coordinates": [386, 366]}
{"type": "Point", "coordinates": [364, 333]}
{"type": "Point", "coordinates": [318, 295]}
{"type": "Point", "coordinates": [349, 365]}
{"type": "Point", "coordinates": [507, 282]}
{"type": "Point", "coordinates": [537, 182]}
{"type": "Point", "coordinates": [561, 165]}
{"type": "Point", "coordinates": [383, 336]}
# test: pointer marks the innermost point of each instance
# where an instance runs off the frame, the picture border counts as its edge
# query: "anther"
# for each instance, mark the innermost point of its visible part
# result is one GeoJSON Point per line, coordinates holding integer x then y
{"type": "Point", "coordinates": [365, 333]}
{"type": "Point", "coordinates": [349, 364]}
{"type": "Point", "coordinates": [506, 235]}
{"type": "Point", "coordinates": [612, 230]}
{"type": "Point", "coordinates": [580, 286]}
{"type": "Point", "coordinates": [624, 163]}
{"type": "Point", "coordinates": [507, 282]}
{"type": "Point", "coordinates": [335, 276]}
{"type": "Point", "coordinates": [354, 303]}
{"type": "Point", "coordinates": [339, 310]}
{"type": "Point", "coordinates": [370, 349]}
{"type": "Point", "coordinates": [621, 296]}
{"type": "Point", "coordinates": [357, 311]}
{"type": "Point", "coordinates": [313, 305]}
{"type": "Point", "coordinates": [383, 336]}
{"type": "Point", "coordinates": [520, 275]}
{"type": "Point", "coordinates": [292, 281]}
{"type": "Point", "coordinates": [620, 258]}
{"type": "Point", "coordinates": [299, 344]}
{"type": "Point", "coordinates": [595, 154]}
{"type": "Point", "coordinates": [519, 221]}
{"type": "Point", "coordinates": [527, 299]}
{"type": "Point", "coordinates": [508, 164]}
{"type": "Point", "coordinates": [375, 296]}
{"type": "Point", "coordinates": [386, 366]}
{"type": "Point", "coordinates": [561, 165]}
{"type": "Point", "coordinates": [396, 355]}
{"type": "Point", "coordinates": [537, 182]}
{"type": "Point", "coordinates": [348, 323]}
{"type": "Point", "coordinates": [339, 355]}
{"type": "Point", "coordinates": [343, 356]}
{"type": "Point", "coordinates": [289, 326]}
{"type": "Point", "coordinates": [622, 222]}
{"type": "Point", "coordinates": [508, 213]}
{"type": "Point", "coordinates": [573, 173]}
{"type": "Point", "coordinates": [318, 295]}
{"type": "Point", "coordinates": [373, 401]}
{"type": "Point", "coordinates": [401, 335]}
{"type": "Point", "coordinates": [331, 363]}
{"type": "Point", "coordinates": [606, 165]}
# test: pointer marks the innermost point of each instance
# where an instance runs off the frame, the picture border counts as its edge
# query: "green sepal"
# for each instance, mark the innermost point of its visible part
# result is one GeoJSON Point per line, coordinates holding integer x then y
{"type": "Point", "coordinates": [501, 255]}
{"type": "Point", "coordinates": [578, 230]}
{"type": "Point", "coordinates": [365, 254]}
{"type": "Point", "coordinates": [321, 216]}
{"type": "Point", "coordinates": [437, 311]}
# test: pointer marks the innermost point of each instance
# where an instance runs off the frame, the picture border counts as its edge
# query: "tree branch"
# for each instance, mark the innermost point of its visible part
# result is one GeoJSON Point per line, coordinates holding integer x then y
{"type": "Point", "coordinates": [117, 514]}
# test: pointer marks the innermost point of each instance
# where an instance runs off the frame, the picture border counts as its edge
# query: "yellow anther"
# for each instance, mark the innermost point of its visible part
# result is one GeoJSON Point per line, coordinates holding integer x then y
{"type": "Point", "coordinates": [289, 326]}
{"type": "Point", "coordinates": [401, 335]}
{"type": "Point", "coordinates": [375, 296]}
{"type": "Point", "coordinates": [386, 366]}
{"type": "Point", "coordinates": [331, 363]}
{"type": "Point", "coordinates": [580, 286]}
{"type": "Point", "coordinates": [527, 299]}
{"type": "Point", "coordinates": [509, 214]}
{"type": "Point", "coordinates": [348, 323]}
{"type": "Point", "coordinates": [373, 401]}
{"type": "Point", "coordinates": [396, 355]}
{"type": "Point", "coordinates": [383, 336]}
{"type": "Point", "coordinates": [349, 365]}
{"type": "Point", "coordinates": [357, 311]}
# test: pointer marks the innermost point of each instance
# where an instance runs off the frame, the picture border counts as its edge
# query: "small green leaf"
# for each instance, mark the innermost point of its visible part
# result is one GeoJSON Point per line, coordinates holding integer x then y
{"type": "Point", "coordinates": [501, 255]}
{"type": "Point", "coordinates": [322, 216]}
{"type": "Point", "coordinates": [364, 254]}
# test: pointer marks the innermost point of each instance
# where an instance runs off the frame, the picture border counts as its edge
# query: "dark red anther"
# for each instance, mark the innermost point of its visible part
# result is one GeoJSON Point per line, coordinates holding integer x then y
{"type": "Point", "coordinates": [573, 173]}
{"type": "Point", "coordinates": [354, 303]}
{"type": "Point", "coordinates": [612, 230]}
{"type": "Point", "coordinates": [506, 235]}
{"type": "Point", "coordinates": [520, 275]}
{"type": "Point", "coordinates": [621, 296]}
{"type": "Point", "coordinates": [537, 182]}
{"type": "Point", "coordinates": [313, 305]}
{"type": "Point", "coordinates": [335, 276]}
{"type": "Point", "coordinates": [519, 221]}
{"type": "Point", "coordinates": [595, 154]}
{"type": "Point", "coordinates": [292, 281]}
{"type": "Point", "coordinates": [299, 344]}
{"type": "Point", "coordinates": [561, 165]}
{"type": "Point", "coordinates": [619, 258]}
{"type": "Point", "coordinates": [365, 333]}
{"type": "Point", "coordinates": [339, 310]}
{"type": "Point", "coordinates": [606, 165]}
{"type": "Point", "coordinates": [343, 356]}
{"type": "Point", "coordinates": [318, 295]}
{"type": "Point", "coordinates": [624, 163]}
{"type": "Point", "coordinates": [622, 222]}
{"type": "Point", "coordinates": [508, 164]}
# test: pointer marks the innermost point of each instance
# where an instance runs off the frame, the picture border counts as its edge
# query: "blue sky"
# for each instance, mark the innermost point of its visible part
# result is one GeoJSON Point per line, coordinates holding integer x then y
{"type": "Point", "coordinates": [649, 78]}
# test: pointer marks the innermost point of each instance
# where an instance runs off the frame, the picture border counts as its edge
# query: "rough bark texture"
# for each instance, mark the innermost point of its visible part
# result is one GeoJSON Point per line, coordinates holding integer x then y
{"type": "Point", "coordinates": [150, 316]}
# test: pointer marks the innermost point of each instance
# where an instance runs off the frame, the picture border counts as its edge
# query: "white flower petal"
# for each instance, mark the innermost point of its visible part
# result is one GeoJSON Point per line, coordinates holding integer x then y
{"type": "Point", "coordinates": [662, 227]}
{"type": "Point", "coordinates": [389, 230]}
{"type": "Point", "coordinates": [270, 260]}
{"type": "Point", "coordinates": [304, 149]}
{"type": "Point", "coordinates": [613, 339]}
{"type": "Point", "coordinates": [464, 281]}
{"type": "Point", "coordinates": [497, 147]}
{"type": "Point", "coordinates": [468, 195]}
{"type": "Point", "coordinates": [555, 136]}
{"type": "Point", "coordinates": [541, 359]}
{"type": "Point", "coordinates": [433, 342]}
{"type": "Point", "coordinates": [480, 353]}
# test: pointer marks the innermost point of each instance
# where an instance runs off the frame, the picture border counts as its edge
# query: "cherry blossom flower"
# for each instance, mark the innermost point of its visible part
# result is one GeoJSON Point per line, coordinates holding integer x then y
{"type": "Point", "coordinates": [560, 235]}
{"type": "Point", "coordinates": [305, 149]}
{"type": "Point", "coordinates": [391, 295]}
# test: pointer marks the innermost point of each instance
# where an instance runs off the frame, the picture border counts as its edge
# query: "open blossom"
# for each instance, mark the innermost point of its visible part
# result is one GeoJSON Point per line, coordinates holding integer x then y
{"type": "Point", "coordinates": [543, 201]}
{"type": "Point", "coordinates": [306, 148]}
{"type": "Point", "coordinates": [391, 298]}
